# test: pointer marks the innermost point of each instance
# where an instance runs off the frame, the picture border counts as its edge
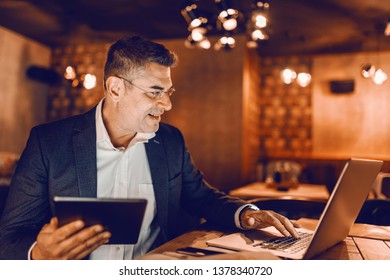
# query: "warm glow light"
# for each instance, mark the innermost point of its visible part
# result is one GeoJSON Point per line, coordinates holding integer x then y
{"type": "Point", "coordinates": [251, 44]}
{"type": "Point", "coordinates": [205, 43]}
{"type": "Point", "coordinates": [226, 42]}
{"type": "Point", "coordinates": [368, 71]}
{"type": "Point", "coordinates": [229, 19]}
{"type": "Point", "coordinates": [70, 73]}
{"type": "Point", "coordinates": [288, 76]}
{"type": "Point", "coordinates": [230, 24]}
{"type": "Point", "coordinates": [387, 29]}
{"type": "Point", "coordinates": [223, 14]}
{"type": "Point", "coordinates": [261, 21]}
{"type": "Point", "coordinates": [195, 23]}
{"type": "Point", "coordinates": [303, 79]}
{"type": "Point", "coordinates": [380, 77]}
{"type": "Point", "coordinates": [258, 35]}
{"type": "Point", "coordinates": [89, 81]}
{"type": "Point", "coordinates": [198, 34]}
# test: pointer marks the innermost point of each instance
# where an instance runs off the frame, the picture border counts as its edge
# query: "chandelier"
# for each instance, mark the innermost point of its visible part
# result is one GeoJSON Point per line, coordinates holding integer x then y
{"type": "Point", "coordinates": [226, 20]}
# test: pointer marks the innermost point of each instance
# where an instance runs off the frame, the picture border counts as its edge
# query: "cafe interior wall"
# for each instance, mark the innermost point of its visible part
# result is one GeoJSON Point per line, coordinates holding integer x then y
{"type": "Point", "coordinates": [316, 126]}
{"type": "Point", "coordinates": [23, 101]}
{"type": "Point", "coordinates": [356, 123]}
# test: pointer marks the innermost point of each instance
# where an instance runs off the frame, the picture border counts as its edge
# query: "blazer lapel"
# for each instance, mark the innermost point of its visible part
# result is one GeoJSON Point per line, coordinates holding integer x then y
{"type": "Point", "coordinates": [84, 147]}
{"type": "Point", "coordinates": [159, 170]}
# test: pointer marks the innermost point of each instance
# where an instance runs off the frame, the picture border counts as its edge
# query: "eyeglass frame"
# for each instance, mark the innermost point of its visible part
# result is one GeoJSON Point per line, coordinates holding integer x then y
{"type": "Point", "coordinates": [155, 95]}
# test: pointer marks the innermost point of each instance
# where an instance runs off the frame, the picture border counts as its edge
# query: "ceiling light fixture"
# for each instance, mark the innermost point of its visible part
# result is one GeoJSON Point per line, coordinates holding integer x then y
{"type": "Point", "coordinates": [227, 15]}
{"type": "Point", "coordinates": [258, 23]}
{"type": "Point", "coordinates": [198, 25]}
{"type": "Point", "coordinates": [226, 42]}
{"type": "Point", "coordinates": [227, 19]}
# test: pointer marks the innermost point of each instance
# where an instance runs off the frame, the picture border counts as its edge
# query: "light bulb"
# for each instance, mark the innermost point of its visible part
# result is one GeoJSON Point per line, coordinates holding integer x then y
{"type": "Point", "coordinates": [288, 75]}
{"type": "Point", "coordinates": [380, 77]}
{"type": "Point", "coordinates": [303, 79]}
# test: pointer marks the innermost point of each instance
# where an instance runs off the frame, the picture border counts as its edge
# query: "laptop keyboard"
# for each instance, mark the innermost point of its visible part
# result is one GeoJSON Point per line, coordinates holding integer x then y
{"type": "Point", "coordinates": [287, 244]}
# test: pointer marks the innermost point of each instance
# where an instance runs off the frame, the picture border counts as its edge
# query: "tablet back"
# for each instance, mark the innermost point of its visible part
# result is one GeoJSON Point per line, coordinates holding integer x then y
{"type": "Point", "coordinates": [122, 217]}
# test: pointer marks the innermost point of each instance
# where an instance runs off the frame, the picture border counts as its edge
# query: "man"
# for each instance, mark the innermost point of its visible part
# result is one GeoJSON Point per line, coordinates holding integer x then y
{"type": "Point", "coordinates": [118, 149]}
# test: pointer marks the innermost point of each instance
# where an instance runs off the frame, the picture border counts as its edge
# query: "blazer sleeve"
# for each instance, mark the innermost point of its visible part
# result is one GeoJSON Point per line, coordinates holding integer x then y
{"type": "Point", "coordinates": [27, 208]}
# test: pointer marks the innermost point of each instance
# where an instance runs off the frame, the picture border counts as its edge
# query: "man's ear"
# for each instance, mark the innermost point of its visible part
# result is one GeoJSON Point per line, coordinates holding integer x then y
{"type": "Point", "coordinates": [115, 88]}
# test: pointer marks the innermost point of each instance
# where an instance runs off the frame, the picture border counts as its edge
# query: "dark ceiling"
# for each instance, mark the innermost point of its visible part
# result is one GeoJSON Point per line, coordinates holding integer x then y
{"type": "Point", "coordinates": [296, 26]}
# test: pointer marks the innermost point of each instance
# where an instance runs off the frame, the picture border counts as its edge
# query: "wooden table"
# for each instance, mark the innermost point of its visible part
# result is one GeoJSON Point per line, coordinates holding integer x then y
{"type": "Point", "coordinates": [261, 190]}
{"type": "Point", "coordinates": [365, 242]}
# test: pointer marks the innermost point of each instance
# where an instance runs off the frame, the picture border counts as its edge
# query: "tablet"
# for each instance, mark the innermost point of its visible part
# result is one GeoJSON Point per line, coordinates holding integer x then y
{"type": "Point", "coordinates": [122, 217]}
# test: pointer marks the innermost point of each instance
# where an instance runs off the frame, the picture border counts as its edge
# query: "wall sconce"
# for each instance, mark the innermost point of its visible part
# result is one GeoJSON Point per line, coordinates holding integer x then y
{"type": "Point", "coordinates": [288, 76]}
{"type": "Point", "coordinates": [387, 28]}
{"type": "Point", "coordinates": [368, 70]}
{"type": "Point", "coordinates": [303, 79]}
{"type": "Point", "coordinates": [87, 80]}
{"type": "Point", "coordinates": [379, 77]}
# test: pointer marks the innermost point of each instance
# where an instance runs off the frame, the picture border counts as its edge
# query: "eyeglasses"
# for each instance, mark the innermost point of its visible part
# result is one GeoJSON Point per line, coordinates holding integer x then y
{"type": "Point", "coordinates": [155, 95]}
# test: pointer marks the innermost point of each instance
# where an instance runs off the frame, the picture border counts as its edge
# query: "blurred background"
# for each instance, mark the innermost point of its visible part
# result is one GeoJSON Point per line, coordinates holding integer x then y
{"type": "Point", "coordinates": [257, 81]}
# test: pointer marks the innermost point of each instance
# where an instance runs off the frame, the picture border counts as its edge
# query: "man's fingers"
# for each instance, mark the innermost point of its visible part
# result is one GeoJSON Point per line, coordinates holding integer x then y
{"type": "Point", "coordinates": [80, 238]}
{"type": "Point", "coordinates": [251, 221]}
{"type": "Point", "coordinates": [258, 219]}
{"type": "Point", "coordinates": [89, 245]}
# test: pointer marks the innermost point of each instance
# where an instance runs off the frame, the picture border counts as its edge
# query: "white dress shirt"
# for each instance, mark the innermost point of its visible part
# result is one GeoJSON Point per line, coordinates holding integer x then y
{"type": "Point", "coordinates": [123, 172]}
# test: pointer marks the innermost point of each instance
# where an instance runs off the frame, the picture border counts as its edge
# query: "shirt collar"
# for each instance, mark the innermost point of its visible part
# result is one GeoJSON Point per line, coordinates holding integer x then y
{"type": "Point", "coordinates": [102, 134]}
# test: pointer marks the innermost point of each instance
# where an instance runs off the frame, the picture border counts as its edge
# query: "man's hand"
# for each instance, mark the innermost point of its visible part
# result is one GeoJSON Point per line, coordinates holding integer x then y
{"type": "Point", "coordinates": [251, 219]}
{"type": "Point", "coordinates": [71, 241]}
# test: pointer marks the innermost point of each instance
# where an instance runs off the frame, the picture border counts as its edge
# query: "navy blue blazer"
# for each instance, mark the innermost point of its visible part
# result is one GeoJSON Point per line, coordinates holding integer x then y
{"type": "Point", "coordinates": [60, 159]}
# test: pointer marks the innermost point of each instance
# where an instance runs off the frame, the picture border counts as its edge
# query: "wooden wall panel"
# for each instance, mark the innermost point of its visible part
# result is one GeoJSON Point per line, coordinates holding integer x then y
{"type": "Point", "coordinates": [23, 101]}
{"type": "Point", "coordinates": [251, 121]}
{"type": "Point", "coordinates": [354, 124]}
{"type": "Point", "coordinates": [207, 107]}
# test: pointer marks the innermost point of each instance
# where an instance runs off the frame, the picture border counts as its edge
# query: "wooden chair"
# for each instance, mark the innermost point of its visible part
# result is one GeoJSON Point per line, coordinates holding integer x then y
{"type": "Point", "coordinates": [376, 212]}
{"type": "Point", "coordinates": [386, 187]}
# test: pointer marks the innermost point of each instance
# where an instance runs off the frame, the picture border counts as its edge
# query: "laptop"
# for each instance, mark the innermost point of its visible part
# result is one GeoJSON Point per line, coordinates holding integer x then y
{"type": "Point", "coordinates": [340, 213]}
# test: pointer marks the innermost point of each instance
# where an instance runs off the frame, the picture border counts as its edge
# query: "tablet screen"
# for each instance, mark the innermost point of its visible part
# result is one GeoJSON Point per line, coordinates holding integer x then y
{"type": "Point", "coordinates": [122, 217]}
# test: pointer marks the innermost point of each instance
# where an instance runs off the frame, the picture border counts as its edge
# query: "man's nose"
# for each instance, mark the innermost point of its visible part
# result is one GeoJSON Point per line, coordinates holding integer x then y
{"type": "Point", "coordinates": [165, 102]}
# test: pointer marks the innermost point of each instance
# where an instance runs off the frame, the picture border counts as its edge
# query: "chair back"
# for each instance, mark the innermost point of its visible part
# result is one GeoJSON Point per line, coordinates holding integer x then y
{"type": "Point", "coordinates": [386, 187]}
{"type": "Point", "coordinates": [283, 172]}
{"type": "Point", "coordinates": [376, 212]}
